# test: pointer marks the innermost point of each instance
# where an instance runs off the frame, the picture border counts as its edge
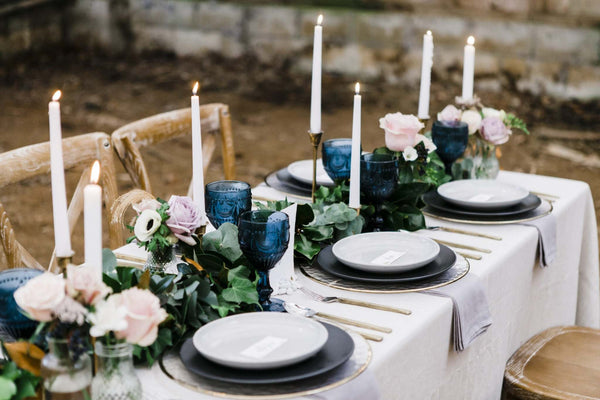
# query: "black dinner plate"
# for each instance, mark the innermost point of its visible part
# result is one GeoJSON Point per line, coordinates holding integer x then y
{"type": "Point", "coordinates": [337, 350]}
{"type": "Point", "coordinates": [329, 263]}
{"type": "Point", "coordinates": [283, 181]}
{"type": "Point", "coordinates": [435, 201]}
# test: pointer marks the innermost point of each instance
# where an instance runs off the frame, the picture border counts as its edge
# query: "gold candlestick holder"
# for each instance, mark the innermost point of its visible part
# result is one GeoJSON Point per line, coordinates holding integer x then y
{"type": "Point", "coordinates": [426, 125]}
{"type": "Point", "coordinates": [315, 140]}
{"type": "Point", "coordinates": [62, 263]}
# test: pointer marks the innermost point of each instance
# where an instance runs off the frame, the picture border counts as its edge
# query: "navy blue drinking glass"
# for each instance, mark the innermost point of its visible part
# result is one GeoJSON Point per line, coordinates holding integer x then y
{"type": "Point", "coordinates": [451, 140]}
{"type": "Point", "coordinates": [13, 324]}
{"type": "Point", "coordinates": [226, 200]}
{"type": "Point", "coordinates": [336, 158]}
{"type": "Point", "coordinates": [264, 237]}
{"type": "Point", "coordinates": [378, 180]}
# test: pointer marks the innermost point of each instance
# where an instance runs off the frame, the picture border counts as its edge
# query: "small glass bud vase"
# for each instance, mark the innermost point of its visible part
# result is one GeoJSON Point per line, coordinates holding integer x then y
{"type": "Point", "coordinates": [116, 378]}
{"type": "Point", "coordinates": [162, 261]}
{"type": "Point", "coordinates": [65, 376]}
{"type": "Point", "coordinates": [479, 161]}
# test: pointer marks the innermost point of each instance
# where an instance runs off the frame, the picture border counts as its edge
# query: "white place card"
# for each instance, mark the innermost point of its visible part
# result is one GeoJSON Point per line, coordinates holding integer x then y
{"type": "Point", "coordinates": [263, 347]}
{"type": "Point", "coordinates": [388, 257]}
{"type": "Point", "coordinates": [481, 197]}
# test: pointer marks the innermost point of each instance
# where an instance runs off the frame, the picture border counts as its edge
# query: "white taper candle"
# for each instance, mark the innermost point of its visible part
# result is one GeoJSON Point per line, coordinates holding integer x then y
{"type": "Point", "coordinates": [315, 99]}
{"type": "Point", "coordinates": [197, 162]}
{"type": "Point", "coordinates": [468, 69]}
{"type": "Point", "coordinates": [92, 214]}
{"type": "Point", "coordinates": [62, 233]}
{"type": "Point", "coordinates": [426, 65]}
{"type": "Point", "coordinates": [356, 151]}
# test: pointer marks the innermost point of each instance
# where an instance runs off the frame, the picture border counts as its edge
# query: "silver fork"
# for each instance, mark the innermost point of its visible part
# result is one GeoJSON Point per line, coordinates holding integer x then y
{"type": "Point", "coordinates": [343, 300]}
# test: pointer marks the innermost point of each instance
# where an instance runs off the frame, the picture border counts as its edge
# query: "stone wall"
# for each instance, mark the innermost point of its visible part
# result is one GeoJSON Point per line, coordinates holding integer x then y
{"type": "Point", "coordinates": [542, 46]}
{"type": "Point", "coordinates": [28, 26]}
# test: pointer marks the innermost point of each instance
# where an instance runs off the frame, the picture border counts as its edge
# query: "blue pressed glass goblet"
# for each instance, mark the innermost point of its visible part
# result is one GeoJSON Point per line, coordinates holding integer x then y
{"type": "Point", "coordinates": [451, 140]}
{"type": "Point", "coordinates": [226, 200]}
{"type": "Point", "coordinates": [13, 324]}
{"type": "Point", "coordinates": [264, 237]}
{"type": "Point", "coordinates": [378, 180]}
{"type": "Point", "coordinates": [336, 158]}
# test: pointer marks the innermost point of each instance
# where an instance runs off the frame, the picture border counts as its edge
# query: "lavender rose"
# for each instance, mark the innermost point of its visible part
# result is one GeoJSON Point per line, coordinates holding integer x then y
{"type": "Point", "coordinates": [184, 218]}
{"type": "Point", "coordinates": [449, 113]}
{"type": "Point", "coordinates": [494, 131]}
{"type": "Point", "coordinates": [400, 130]}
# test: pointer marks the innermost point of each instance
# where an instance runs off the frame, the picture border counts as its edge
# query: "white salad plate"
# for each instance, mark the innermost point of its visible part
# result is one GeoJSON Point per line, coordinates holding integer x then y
{"type": "Point", "coordinates": [386, 252]}
{"type": "Point", "coordinates": [260, 340]}
{"type": "Point", "coordinates": [302, 171]}
{"type": "Point", "coordinates": [482, 194]}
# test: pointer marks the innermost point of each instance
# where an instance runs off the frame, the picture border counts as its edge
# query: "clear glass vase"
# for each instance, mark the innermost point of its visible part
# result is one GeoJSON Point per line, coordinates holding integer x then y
{"type": "Point", "coordinates": [65, 377]}
{"type": "Point", "coordinates": [116, 378]}
{"type": "Point", "coordinates": [164, 261]}
{"type": "Point", "coordinates": [479, 161]}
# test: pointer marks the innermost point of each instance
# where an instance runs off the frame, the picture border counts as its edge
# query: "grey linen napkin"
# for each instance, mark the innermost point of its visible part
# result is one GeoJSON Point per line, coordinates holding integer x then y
{"type": "Point", "coordinates": [470, 311]}
{"type": "Point", "coordinates": [546, 227]}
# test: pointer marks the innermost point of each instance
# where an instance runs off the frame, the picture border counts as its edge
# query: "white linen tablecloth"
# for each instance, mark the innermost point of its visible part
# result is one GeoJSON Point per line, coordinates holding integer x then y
{"type": "Point", "coordinates": [417, 361]}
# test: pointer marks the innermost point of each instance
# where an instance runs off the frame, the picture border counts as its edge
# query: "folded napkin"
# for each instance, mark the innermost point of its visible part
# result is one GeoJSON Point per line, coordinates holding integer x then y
{"type": "Point", "coordinates": [265, 193]}
{"type": "Point", "coordinates": [546, 227]}
{"type": "Point", "coordinates": [470, 312]}
{"type": "Point", "coordinates": [282, 276]}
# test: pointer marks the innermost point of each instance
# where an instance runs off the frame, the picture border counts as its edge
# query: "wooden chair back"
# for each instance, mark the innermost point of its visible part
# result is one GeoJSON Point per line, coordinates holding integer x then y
{"type": "Point", "coordinates": [30, 161]}
{"type": "Point", "coordinates": [215, 121]}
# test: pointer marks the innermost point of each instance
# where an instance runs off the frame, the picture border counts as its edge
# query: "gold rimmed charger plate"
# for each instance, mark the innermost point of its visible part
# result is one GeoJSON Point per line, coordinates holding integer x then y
{"type": "Point", "coordinates": [173, 368]}
{"type": "Point", "coordinates": [544, 209]}
{"type": "Point", "coordinates": [458, 271]}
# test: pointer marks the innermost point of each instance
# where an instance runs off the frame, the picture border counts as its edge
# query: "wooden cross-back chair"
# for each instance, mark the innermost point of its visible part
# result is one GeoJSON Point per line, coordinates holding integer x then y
{"type": "Point", "coordinates": [215, 121]}
{"type": "Point", "coordinates": [31, 161]}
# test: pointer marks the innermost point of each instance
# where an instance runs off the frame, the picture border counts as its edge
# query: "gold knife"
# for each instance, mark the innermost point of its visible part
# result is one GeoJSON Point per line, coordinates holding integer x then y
{"type": "Point", "coordinates": [375, 306]}
{"type": "Point", "coordinates": [352, 322]}
{"type": "Point", "coordinates": [462, 246]}
{"type": "Point", "coordinates": [470, 233]}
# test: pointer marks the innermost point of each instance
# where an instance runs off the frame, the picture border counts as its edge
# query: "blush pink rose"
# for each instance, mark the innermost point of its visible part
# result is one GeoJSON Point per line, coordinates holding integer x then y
{"type": "Point", "coordinates": [494, 131]}
{"type": "Point", "coordinates": [450, 114]}
{"type": "Point", "coordinates": [144, 314]}
{"type": "Point", "coordinates": [41, 295]}
{"type": "Point", "coordinates": [84, 283]}
{"type": "Point", "coordinates": [400, 130]}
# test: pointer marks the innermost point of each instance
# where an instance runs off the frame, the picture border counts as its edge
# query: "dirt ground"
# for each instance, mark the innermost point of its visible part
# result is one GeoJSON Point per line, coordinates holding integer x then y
{"type": "Point", "coordinates": [270, 111]}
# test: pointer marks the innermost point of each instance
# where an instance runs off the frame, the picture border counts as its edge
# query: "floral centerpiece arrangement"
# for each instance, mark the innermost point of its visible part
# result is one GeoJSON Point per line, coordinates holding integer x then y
{"type": "Point", "coordinates": [488, 128]}
{"type": "Point", "coordinates": [70, 308]}
{"type": "Point", "coordinates": [159, 225]}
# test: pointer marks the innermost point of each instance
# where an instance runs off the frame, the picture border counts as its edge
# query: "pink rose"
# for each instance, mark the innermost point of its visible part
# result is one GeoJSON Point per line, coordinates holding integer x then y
{"type": "Point", "coordinates": [144, 314]}
{"type": "Point", "coordinates": [184, 218]}
{"type": "Point", "coordinates": [450, 114]}
{"type": "Point", "coordinates": [41, 295]}
{"type": "Point", "coordinates": [84, 281]}
{"type": "Point", "coordinates": [400, 130]}
{"type": "Point", "coordinates": [494, 131]}
{"type": "Point", "coordinates": [146, 204]}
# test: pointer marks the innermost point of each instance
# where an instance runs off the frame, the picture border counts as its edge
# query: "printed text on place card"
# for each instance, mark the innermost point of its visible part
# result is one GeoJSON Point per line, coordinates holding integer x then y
{"type": "Point", "coordinates": [481, 197]}
{"type": "Point", "coordinates": [388, 257]}
{"type": "Point", "coordinates": [263, 347]}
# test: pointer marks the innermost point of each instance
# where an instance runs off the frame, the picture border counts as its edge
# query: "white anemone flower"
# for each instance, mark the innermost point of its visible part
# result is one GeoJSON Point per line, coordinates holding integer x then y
{"type": "Point", "coordinates": [410, 154]}
{"type": "Point", "coordinates": [147, 223]}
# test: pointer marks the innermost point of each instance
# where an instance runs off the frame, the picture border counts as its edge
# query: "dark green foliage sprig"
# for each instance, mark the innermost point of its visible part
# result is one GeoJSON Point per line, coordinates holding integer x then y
{"type": "Point", "coordinates": [215, 282]}
{"type": "Point", "coordinates": [16, 383]}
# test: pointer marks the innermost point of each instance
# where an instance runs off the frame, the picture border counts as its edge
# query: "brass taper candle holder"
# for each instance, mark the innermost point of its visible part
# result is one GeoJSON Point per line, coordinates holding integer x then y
{"type": "Point", "coordinates": [315, 140]}
{"type": "Point", "coordinates": [62, 263]}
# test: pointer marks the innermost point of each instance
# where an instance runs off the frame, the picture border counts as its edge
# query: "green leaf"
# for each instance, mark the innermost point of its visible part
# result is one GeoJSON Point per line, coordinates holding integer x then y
{"type": "Point", "coordinates": [241, 291]}
{"type": "Point", "coordinates": [304, 215]}
{"type": "Point", "coordinates": [161, 286]}
{"type": "Point", "coordinates": [223, 241]}
{"type": "Point", "coordinates": [305, 247]}
{"type": "Point", "coordinates": [318, 233]}
{"type": "Point", "coordinates": [109, 261]}
{"type": "Point", "coordinates": [7, 388]}
{"type": "Point", "coordinates": [240, 272]}
{"type": "Point", "coordinates": [211, 263]}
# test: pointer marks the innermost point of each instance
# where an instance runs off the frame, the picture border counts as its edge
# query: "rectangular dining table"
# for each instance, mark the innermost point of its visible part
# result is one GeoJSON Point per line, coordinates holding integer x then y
{"type": "Point", "coordinates": [417, 360]}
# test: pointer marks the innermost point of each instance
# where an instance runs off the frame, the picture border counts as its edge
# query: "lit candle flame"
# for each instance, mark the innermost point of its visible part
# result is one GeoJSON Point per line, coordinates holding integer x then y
{"type": "Point", "coordinates": [195, 89]}
{"type": "Point", "coordinates": [320, 19]}
{"type": "Point", "coordinates": [56, 95]}
{"type": "Point", "coordinates": [357, 88]}
{"type": "Point", "coordinates": [429, 33]}
{"type": "Point", "coordinates": [95, 175]}
{"type": "Point", "coordinates": [471, 40]}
